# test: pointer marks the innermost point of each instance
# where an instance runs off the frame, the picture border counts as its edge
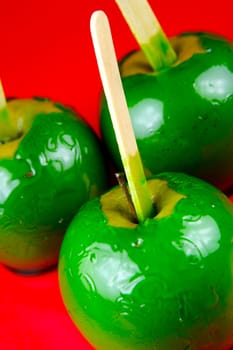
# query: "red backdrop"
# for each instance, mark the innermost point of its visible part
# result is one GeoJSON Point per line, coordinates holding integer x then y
{"type": "Point", "coordinates": [46, 50]}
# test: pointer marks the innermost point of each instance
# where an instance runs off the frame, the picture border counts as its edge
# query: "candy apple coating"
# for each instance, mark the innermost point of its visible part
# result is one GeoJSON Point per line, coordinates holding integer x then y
{"type": "Point", "coordinates": [47, 172]}
{"type": "Point", "coordinates": [182, 115]}
{"type": "Point", "coordinates": [163, 284]}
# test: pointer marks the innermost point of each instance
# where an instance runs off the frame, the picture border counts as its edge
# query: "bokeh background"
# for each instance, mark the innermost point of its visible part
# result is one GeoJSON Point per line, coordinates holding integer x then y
{"type": "Point", "coordinates": [46, 50]}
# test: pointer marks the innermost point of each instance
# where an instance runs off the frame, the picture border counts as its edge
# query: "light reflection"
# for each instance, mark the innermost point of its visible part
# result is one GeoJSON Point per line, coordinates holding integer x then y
{"type": "Point", "coordinates": [112, 272]}
{"type": "Point", "coordinates": [62, 153]}
{"type": "Point", "coordinates": [203, 232]}
{"type": "Point", "coordinates": [152, 120]}
{"type": "Point", "coordinates": [7, 184]}
{"type": "Point", "coordinates": [215, 84]}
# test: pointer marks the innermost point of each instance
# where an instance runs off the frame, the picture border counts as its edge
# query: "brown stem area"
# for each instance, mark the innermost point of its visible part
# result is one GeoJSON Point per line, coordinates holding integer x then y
{"type": "Point", "coordinates": [123, 184]}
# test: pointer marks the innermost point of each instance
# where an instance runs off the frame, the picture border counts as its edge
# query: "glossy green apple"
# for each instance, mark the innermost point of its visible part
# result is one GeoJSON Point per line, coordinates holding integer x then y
{"type": "Point", "coordinates": [53, 165]}
{"type": "Point", "coordinates": [164, 284]}
{"type": "Point", "coordinates": [182, 115]}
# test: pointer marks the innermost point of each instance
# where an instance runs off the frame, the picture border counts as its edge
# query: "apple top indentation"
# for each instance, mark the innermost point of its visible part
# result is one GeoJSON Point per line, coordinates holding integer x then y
{"type": "Point", "coordinates": [117, 211]}
{"type": "Point", "coordinates": [185, 47]}
{"type": "Point", "coordinates": [165, 198]}
{"type": "Point", "coordinates": [22, 113]}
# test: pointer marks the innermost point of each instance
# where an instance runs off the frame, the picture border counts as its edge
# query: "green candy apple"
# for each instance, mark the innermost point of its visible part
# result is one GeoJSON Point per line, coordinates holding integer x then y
{"type": "Point", "coordinates": [163, 284]}
{"type": "Point", "coordinates": [182, 115]}
{"type": "Point", "coordinates": [47, 171]}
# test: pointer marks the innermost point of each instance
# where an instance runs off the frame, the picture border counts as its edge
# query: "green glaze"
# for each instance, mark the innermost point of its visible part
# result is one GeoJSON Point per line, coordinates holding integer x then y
{"type": "Point", "coordinates": [46, 174]}
{"type": "Point", "coordinates": [182, 115]}
{"type": "Point", "coordinates": [165, 284]}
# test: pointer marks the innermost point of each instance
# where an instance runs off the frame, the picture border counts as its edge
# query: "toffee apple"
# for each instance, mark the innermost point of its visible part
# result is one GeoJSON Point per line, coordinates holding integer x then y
{"type": "Point", "coordinates": [159, 280]}
{"type": "Point", "coordinates": [162, 284]}
{"type": "Point", "coordinates": [180, 105]}
{"type": "Point", "coordinates": [50, 165]}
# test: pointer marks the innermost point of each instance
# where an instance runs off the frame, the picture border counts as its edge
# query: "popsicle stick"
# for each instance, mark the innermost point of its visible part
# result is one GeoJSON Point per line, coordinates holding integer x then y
{"type": "Point", "coordinates": [148, 32]}
{"type": "Point", "coordinates": [110, 76]}
{"type": "Point", "coordinates": [3, 103]}
{"type": "Point", "coordinates": [6, 130]}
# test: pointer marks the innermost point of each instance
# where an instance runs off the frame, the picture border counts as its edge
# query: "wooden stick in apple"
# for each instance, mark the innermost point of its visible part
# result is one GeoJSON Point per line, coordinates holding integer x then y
{"type": "Point", "coordinates": [148, 32]}
{"type": "Point", "coordinates": [6, 129]}
{"type": "Point", "coordinates": [110, 76]}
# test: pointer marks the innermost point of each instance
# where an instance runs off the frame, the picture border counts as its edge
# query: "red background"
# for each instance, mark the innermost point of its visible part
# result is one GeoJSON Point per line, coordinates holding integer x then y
{"type": "Point", "coordinates": [46, 50]}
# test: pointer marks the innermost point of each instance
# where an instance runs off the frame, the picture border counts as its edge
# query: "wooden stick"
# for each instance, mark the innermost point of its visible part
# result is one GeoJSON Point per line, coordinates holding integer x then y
{"type": "Point", "coordinates": [6, 129]}
{"type": "Point", "coordinates": [109, 72]}
{"type": "Point", "coordinates": [148, 32]}
{"type": "Point", "coordinates": [3, 103]}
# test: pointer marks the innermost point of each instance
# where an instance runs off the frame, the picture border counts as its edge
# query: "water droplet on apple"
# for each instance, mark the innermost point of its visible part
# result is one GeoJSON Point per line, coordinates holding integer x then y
{"type": "Point", "coordinates": [138, 243]}
{"type": "Point", "coordinates": [51, 145]}
{"type": "Point", "coordinates": [189, 249]}
{"type": "Point", "coordinates": [88, 282]}
{"type": "Point", "coordinates": [93, 258]}
{"type": "Point", "coordinates": [70, 272]}
{"type": "Point", "coordinates": [125, 304]}
{"type": "Point", "coordinates": [67, 140]}
{"type": "Point", "coordinates": [115, 247]}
